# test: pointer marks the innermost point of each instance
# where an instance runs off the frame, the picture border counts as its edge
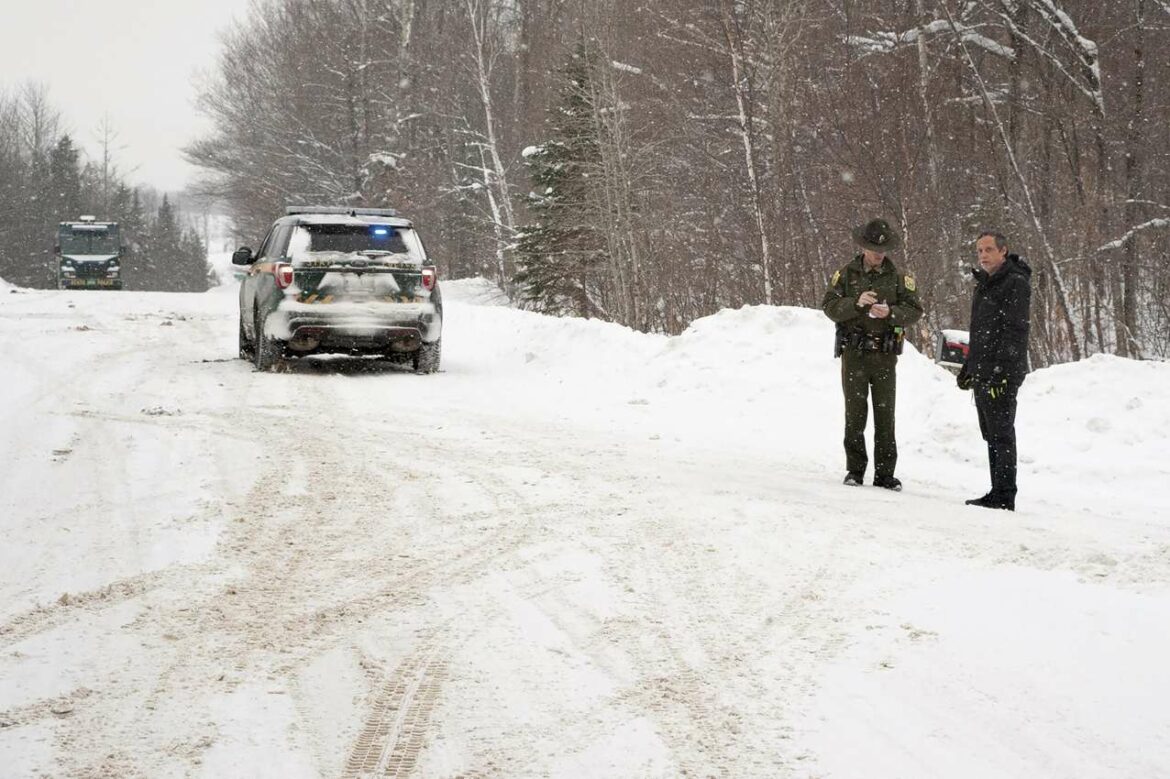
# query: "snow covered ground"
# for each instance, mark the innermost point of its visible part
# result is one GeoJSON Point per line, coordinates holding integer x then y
{"type": "Point", "coordinates": [577, 551]}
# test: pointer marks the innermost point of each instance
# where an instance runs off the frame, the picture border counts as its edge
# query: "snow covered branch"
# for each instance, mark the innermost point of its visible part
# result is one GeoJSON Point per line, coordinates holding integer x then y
{"type": "Point", "coordinates": [1153, 224]}
{"type": "Point", "coordinates": [886, 42]}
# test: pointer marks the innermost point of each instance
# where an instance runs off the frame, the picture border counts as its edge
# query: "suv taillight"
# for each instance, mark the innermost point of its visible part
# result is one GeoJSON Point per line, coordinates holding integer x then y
{"type": "Point", "coordinates": [428, 278]}
{"type": "Point", "coordinates": [284, 274]}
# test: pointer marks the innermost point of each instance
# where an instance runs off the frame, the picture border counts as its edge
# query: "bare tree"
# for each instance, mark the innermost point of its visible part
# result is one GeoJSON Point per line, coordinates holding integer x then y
{"type": "Point", "coordinates": [736, 141]}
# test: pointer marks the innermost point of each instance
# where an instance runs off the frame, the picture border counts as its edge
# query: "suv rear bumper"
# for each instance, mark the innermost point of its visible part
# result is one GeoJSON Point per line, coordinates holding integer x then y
{"type": "Point", "coordinates": [348, 331]}
{"type": "Point", "coordinates": [309, 336]}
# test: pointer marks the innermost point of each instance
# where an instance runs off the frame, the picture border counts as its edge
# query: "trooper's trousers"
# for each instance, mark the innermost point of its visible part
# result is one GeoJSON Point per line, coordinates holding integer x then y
{"type": "Point", "coordinates": [864, 375]}
{"type": "Point", "coordinates": [997, 423]}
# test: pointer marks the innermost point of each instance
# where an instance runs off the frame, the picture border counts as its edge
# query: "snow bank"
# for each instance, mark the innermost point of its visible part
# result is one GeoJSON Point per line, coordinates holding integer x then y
{"type": "Point", "coordinates": [476, 291]}
{"type": "Point", "coordinates": [763, 378]}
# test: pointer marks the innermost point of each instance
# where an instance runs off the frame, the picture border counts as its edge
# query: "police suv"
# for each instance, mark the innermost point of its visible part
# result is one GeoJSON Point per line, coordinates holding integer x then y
{"type": "Point", "coordinates": [351, 281]}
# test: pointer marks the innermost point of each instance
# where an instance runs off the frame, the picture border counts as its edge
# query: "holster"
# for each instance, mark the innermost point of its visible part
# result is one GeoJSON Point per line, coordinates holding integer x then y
{"type": "Point", "coordinates": [894, 339]}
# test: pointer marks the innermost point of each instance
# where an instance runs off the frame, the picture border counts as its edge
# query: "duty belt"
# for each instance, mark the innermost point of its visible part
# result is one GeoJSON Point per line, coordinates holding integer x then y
{"type": "Point", "coordinates": [889, 342]}
{"type": "Point", "coordinates": [868, 342]}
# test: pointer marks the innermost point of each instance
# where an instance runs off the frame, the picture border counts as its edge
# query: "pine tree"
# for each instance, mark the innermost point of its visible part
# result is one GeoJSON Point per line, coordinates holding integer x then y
{"type": "Point", "coordinates": [64, 185]}
{"type": "Point", "coordinates": [132, 224]}
{"type": "Point", "coordinates": [561, 252]}
{"type": "Point", "coordinates": [13, 192]}
{"type": "Point", "coordinates": [542, 248]}
{"type": "Point", "coordinates": [164, 260]}
{"type": "Point", "coordinates": [36, 227]}
{"type": "Point", "coordinates": [194, 272]}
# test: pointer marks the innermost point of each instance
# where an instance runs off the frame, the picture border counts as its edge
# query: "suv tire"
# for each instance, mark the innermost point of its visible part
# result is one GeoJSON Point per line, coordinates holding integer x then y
{"type": "Point", "coordinates": [266, 350]}
{"type": "Point", "coordinates": [426, 359]}
{"type": "Point", "coordinates": [246, 349]}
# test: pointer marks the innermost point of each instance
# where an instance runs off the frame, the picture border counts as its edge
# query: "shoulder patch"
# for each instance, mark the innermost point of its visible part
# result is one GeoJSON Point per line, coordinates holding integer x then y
{"type": "Point", "coordinates": [836, 278]}
{"type": "Point", "coordinates": [908, 281]}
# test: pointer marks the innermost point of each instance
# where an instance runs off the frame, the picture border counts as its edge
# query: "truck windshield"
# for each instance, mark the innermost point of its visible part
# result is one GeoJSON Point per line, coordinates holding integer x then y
{"type": "Point", "coordinates": [88, 242]}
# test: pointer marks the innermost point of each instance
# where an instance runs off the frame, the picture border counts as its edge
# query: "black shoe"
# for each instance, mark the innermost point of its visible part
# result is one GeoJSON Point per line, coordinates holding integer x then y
{"type": "Point", "coordinates": [887, 483]}
{"type": "Point", "coordinates": [993, 501]}
{"type": "Point", "coordinates": [854, 479]}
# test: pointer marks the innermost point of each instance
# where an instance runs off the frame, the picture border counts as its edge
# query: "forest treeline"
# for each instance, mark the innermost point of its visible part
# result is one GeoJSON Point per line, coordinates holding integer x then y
{"type": "Point", "coordinates": [46, 178]}
{"type": "Point", "coordinates": [651, 163]}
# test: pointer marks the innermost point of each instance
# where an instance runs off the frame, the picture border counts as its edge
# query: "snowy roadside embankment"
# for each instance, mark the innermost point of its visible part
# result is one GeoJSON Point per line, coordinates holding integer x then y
{"type": "Point", "coordinates": [763, 380]}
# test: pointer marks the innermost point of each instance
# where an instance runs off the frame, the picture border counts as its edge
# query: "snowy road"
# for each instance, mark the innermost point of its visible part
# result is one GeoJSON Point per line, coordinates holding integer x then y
{"type": "Point", "coordinates": [578, 551]}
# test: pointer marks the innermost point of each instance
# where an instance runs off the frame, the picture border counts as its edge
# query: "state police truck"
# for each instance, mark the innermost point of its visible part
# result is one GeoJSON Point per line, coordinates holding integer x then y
{"type": "Point", "coordinates": [89, 255]}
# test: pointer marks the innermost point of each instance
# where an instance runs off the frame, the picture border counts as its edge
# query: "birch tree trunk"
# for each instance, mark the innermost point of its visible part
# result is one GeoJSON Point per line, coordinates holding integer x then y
{"type": "Point", "coordinates": [617, 155]}
{"type": "Point", "coordinates": [1127, 342]}
{"type": "Point", "coordinates": [923, 97]}
{"type": "Point", "coordinates": [733, 34]}
{"type": "Point", "coordinates": [480, 18]}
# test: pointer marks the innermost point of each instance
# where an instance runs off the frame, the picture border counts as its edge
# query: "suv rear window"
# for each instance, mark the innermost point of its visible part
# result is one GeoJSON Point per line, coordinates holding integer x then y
{"type": "Point", "coordinates": [348, 238]}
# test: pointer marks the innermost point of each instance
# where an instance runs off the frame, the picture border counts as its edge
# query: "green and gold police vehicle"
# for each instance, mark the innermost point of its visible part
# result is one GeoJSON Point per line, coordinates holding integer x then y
{"type": "Point", "coordinates": [336, 280]}
{"type": "Point", "coordinates": [89, 255]}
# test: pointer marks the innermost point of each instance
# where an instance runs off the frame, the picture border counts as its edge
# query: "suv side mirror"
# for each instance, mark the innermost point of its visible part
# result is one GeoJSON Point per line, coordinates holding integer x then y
{"type": "Point", "coordinates": [242, 256]}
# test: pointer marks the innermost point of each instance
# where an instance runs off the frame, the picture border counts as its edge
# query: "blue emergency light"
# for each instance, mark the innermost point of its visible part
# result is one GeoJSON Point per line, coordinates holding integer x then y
{"type": "Point", "coordinates": [381, 231]}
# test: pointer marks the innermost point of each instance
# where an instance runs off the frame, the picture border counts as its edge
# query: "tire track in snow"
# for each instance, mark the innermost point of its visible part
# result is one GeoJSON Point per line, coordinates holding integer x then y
{"type": "Point", "coordinates": [58, 706]}
{"type": "Point", "coordinates": [682, 628]}
{"type": "Point", "coordinates": [395, 732]}
{"type": "Point", "coordinates": [282, 588]}
{"type": "Point", "coordinates": [43, 618]}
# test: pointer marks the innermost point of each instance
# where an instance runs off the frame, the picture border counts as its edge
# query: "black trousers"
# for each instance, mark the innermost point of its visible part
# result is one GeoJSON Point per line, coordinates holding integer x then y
{"type": "Point", "coordinates": [997, 423]}
{"type": "Point", "coordinates": [865, 375]}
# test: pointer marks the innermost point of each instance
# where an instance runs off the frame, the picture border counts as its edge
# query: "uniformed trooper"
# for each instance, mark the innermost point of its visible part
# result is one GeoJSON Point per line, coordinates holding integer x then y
{"type": "Point", "coordinates": [872, 304]}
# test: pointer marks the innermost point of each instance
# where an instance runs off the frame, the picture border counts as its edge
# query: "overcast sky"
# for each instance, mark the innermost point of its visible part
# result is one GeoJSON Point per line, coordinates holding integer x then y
{"type": "Point", "coordinates": [137, 61]}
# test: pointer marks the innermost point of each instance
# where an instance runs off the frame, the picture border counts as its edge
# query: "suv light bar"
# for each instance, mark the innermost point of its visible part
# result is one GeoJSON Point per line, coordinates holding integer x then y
{"type": "Point", "coordinates": [293, 210]}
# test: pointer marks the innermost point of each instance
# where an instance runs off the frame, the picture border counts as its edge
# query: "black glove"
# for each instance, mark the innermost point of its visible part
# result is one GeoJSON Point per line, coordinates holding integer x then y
{"type": "Point", "coordinates": [964, 379]}
{"type": "Point", "coordinates": [998, 389]}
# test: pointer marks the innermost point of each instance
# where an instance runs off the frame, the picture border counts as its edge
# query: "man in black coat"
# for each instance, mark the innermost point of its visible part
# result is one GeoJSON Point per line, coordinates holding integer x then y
{"type": "Point", "coordinates": [997, 359]}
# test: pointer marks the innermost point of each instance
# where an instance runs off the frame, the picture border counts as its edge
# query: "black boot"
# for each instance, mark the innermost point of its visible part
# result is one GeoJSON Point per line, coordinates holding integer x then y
{"type": "Point", "coordinates": [888, 483]}
{"type": "Point", "coordinates": [993, 501]}
{"type": "Point", "coordinates": [1005, 502]}
{"type": "Point", "coordinates": [853, 479]}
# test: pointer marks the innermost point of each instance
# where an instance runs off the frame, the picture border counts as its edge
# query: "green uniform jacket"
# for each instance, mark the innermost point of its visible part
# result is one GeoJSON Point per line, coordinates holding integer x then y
{"type": "Point", "coordinates": [847, 284]}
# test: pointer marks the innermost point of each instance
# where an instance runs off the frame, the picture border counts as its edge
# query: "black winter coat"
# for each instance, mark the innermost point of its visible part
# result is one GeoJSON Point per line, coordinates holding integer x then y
{"type": "Point", "coordinates": [999, 324]}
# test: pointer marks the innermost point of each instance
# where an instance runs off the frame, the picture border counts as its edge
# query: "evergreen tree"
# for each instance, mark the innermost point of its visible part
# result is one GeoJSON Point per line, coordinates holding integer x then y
{"type": "Point", "coordinates": [34, 227]}
{"type": "Point", "coordinates": [13, 191]}
{"type": "Point", "coordinates": [560, 253]}
{"type": "Point", "coordinates": [194, 270]}
{"type": "Point", "coordinates": [132, 223]}
{"type": "Point", "coordinates": [165, 259]}
{"type": "Point", "coordinates": [64, 185]}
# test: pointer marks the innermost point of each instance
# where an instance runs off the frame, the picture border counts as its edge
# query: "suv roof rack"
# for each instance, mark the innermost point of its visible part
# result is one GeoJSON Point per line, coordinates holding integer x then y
{"type": "Point", "coordinates": [292, 210]}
